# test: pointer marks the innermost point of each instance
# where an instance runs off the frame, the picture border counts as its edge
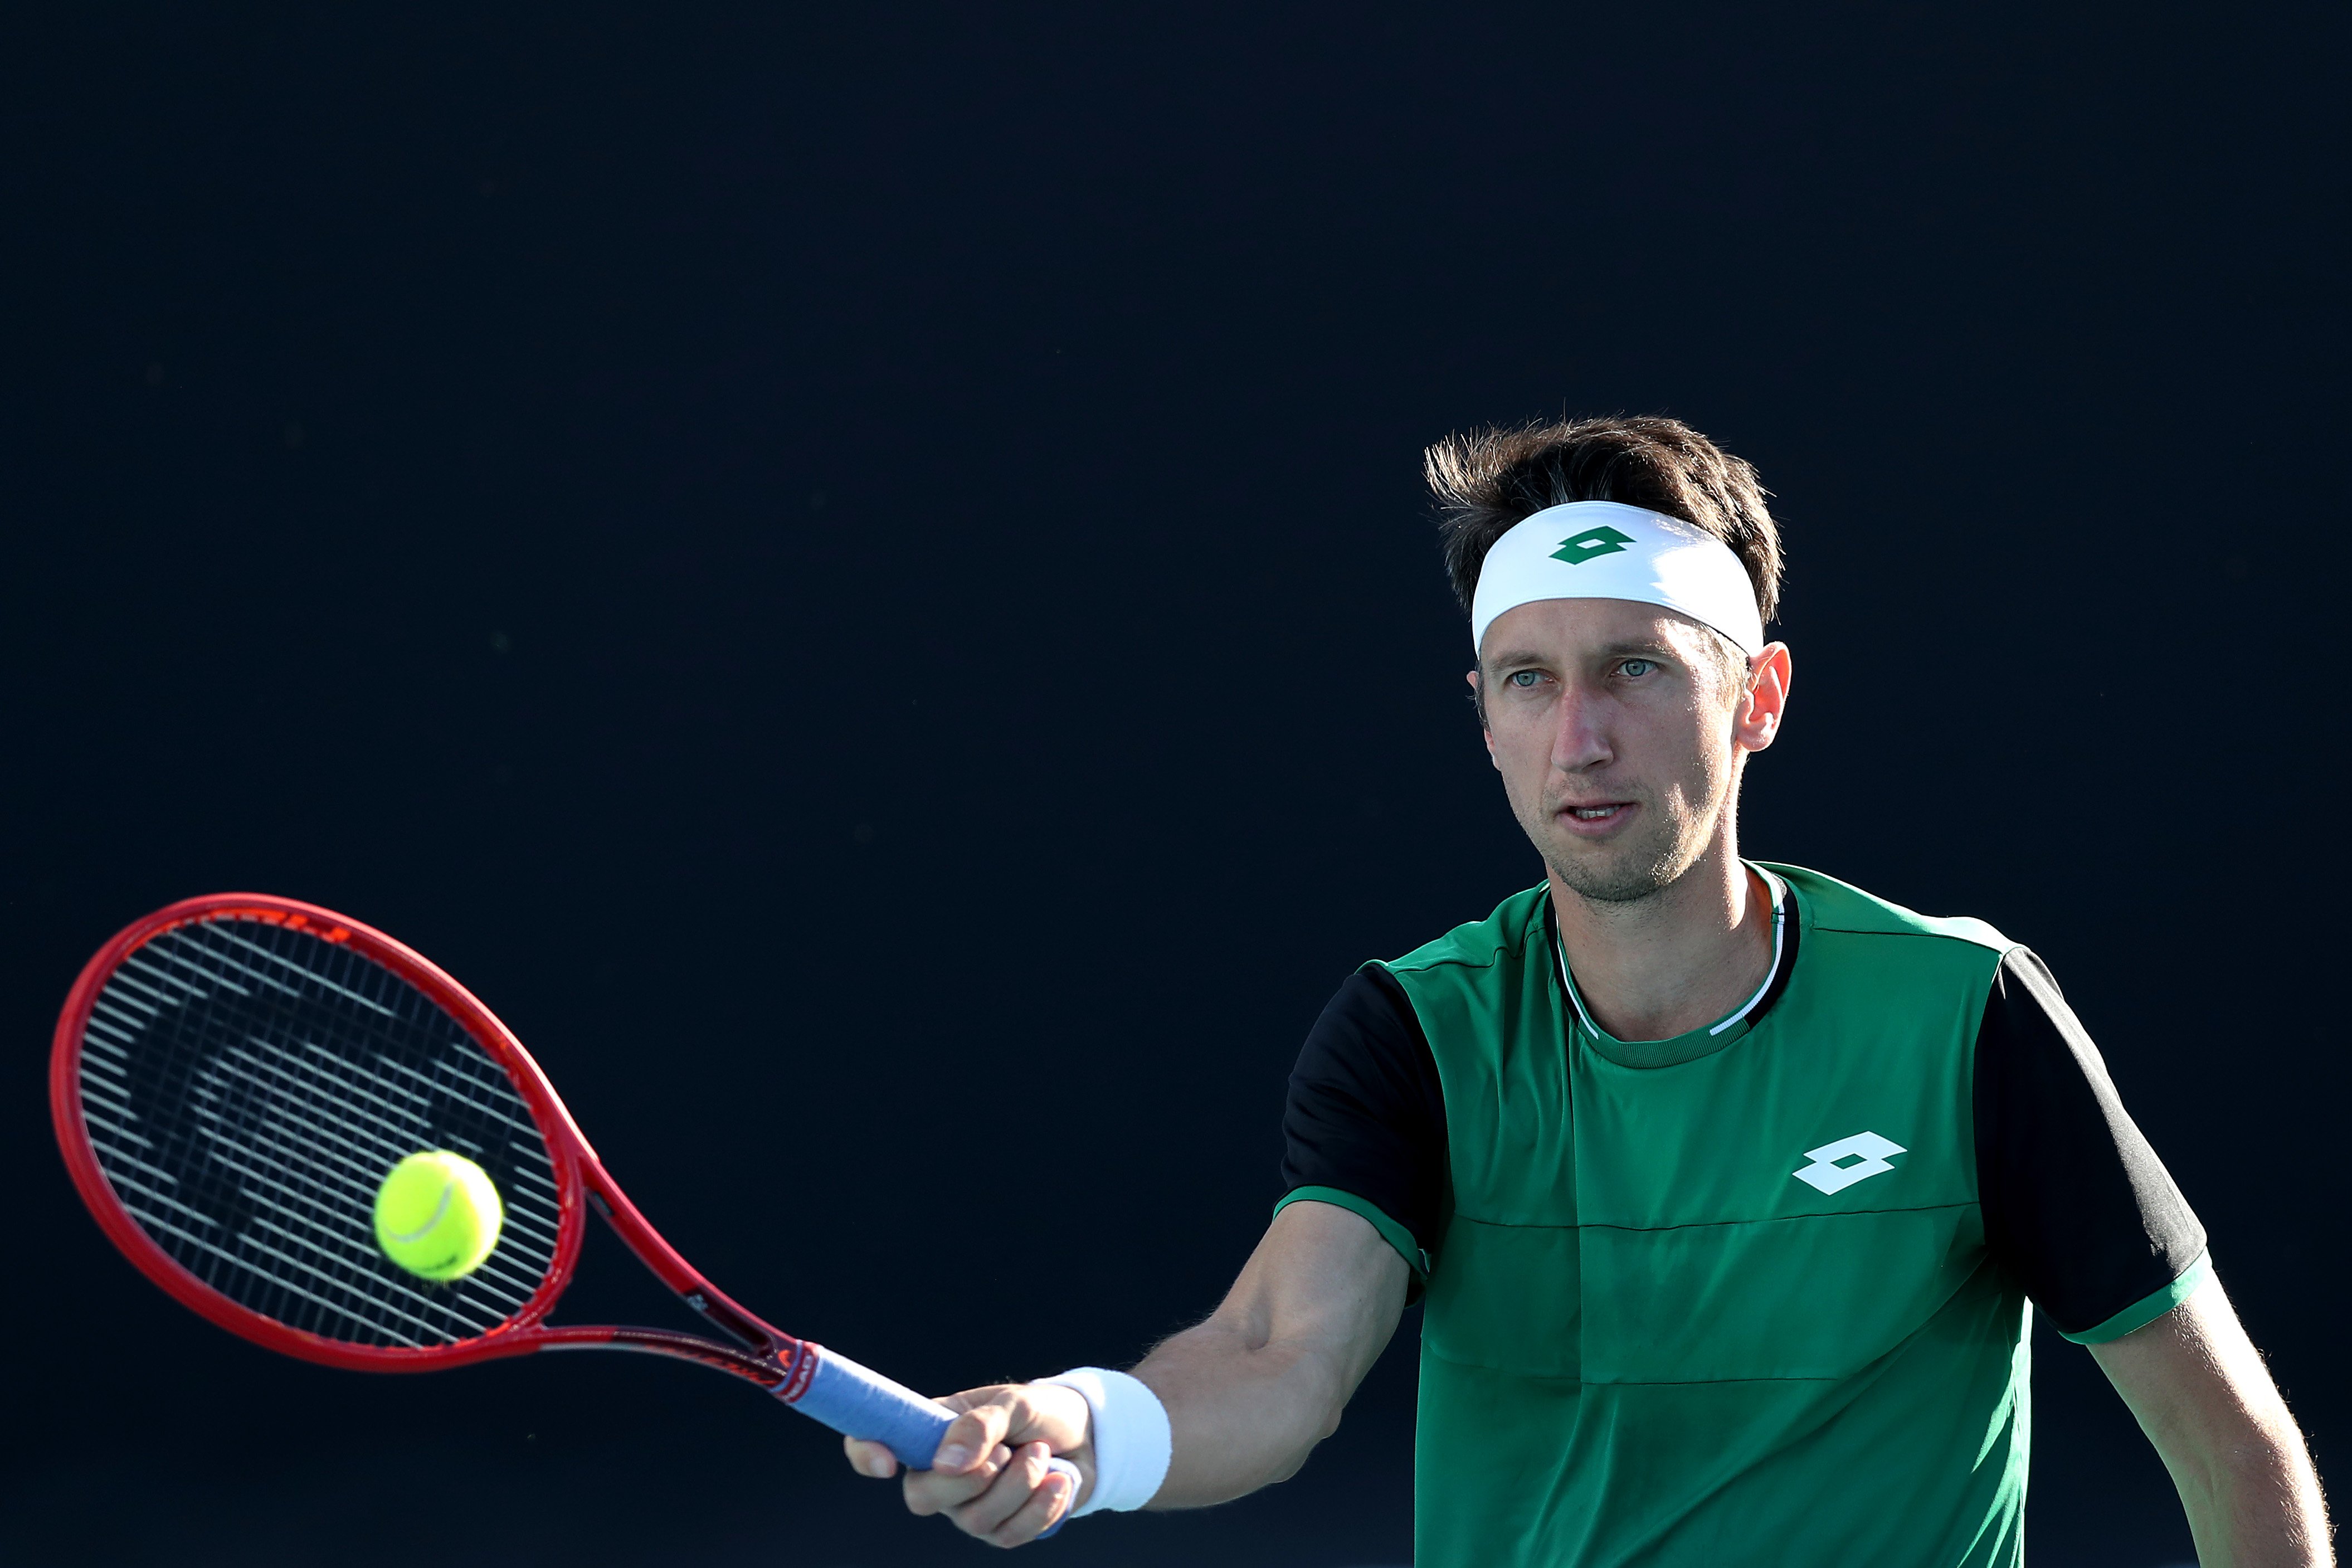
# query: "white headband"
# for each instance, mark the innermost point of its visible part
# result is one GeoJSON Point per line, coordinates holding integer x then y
{"type": "Point", "coordinates": [1600, 550]}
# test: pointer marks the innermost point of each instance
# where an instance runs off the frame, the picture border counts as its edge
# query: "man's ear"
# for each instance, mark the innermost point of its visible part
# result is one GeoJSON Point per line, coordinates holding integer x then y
{"type": "Point", "coordinates": [1756, 724]}
{"type": "Point", "coordinates": [1478, 700]}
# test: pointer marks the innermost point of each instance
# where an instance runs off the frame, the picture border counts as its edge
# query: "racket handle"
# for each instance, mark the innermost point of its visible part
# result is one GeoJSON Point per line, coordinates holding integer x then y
{"type": "Point", "coordinates": [859, 1402]}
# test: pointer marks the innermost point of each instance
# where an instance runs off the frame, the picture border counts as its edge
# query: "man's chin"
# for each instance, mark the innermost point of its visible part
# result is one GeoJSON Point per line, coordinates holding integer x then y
{"type": "Point", "coordinates": [1624, 874]}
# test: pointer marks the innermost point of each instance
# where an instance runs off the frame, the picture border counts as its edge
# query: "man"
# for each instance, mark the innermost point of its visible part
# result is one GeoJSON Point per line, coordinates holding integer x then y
{"type": "Point", "coordinates": [1728, 1184]}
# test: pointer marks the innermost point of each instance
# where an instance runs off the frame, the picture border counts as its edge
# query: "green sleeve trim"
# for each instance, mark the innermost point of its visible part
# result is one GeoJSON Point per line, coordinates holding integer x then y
{"type": "Point", "coordinates": [2149, 1308]}
{"type": "Point", "coordinates": [1395, 1235]}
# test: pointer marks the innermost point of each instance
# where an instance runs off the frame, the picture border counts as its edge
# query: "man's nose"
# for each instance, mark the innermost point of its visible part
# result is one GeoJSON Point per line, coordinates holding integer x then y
{"type": "Point", "coordinates": [1581, 740]}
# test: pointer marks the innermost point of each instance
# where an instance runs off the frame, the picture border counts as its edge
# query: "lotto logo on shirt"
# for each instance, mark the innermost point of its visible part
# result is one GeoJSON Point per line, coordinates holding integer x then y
{"type": "Point", "coordinates": [1839, 1166]}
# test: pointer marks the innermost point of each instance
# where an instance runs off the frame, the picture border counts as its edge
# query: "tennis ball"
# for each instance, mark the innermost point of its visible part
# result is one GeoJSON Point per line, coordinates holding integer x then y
{"type": "Point", "coordinates": [438, 1215]}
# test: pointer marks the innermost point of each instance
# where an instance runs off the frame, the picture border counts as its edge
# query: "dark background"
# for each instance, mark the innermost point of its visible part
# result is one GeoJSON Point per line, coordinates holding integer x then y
{"type": "Point", "coordinates": [859, 575]}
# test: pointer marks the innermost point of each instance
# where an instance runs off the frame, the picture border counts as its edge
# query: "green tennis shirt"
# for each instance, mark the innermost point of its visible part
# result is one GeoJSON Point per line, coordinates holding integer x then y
{"type": "Point", "coordinates": [1724, 1298]}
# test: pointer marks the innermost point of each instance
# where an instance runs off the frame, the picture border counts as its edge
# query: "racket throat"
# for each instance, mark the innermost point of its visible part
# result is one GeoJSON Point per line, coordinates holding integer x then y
{"type": "Point", "coordinates": [736, 1325]}
{"type": "Point", "coordinates": [740, 1327]}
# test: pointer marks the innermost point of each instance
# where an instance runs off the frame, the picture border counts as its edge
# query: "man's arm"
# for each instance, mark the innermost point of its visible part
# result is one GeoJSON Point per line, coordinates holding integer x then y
{"type": "Point", "coordinates": [2201, 1393]}
{"type": "Point", "coordinates": [1249, 1392]}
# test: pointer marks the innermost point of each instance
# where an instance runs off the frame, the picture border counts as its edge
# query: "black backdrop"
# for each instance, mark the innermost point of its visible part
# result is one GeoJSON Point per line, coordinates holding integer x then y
{"type": "Point", "coordinates": [859, 575]}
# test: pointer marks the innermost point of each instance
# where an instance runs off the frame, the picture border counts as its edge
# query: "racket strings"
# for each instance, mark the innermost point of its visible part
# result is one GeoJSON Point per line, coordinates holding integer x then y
{"type": "Point", "coordinates": [246, 1086]}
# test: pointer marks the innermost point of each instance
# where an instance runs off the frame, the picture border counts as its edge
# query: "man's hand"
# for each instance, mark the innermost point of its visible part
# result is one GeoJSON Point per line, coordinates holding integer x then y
{"type": "Point", "coordinates": [990, 1473]}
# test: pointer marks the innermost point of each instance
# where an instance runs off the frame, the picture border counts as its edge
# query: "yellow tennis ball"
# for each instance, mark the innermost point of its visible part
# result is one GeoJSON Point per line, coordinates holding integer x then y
{"type": "Point", "coordinates": [438, 1215]}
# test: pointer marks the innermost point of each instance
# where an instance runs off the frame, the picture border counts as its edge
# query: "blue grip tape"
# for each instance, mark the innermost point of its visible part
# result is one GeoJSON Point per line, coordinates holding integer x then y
{"type": "Point", "coordinates": [859, 1402]}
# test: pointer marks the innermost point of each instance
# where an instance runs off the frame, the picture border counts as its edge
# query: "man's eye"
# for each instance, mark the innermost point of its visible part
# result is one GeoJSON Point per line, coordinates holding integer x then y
{"type": "Point", "coordinates": [1638, 667]}
{"type": "Point", "coordinates": [1523, 677]}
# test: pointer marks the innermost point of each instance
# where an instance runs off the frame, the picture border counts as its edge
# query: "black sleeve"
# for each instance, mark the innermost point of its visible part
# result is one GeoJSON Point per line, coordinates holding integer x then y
{"type": "Point", "coordinates": [2076, 1205]}
{"type": "Point", "coordinates": [1366, 1113]}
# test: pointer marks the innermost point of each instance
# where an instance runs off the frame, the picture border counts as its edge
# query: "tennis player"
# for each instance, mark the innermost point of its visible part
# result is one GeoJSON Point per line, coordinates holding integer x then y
{"type": "Point", "coordinates": [1726, 1185]}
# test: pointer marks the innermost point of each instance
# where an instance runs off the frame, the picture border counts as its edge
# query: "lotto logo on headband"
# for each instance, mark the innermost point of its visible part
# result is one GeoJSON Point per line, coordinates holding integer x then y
{"type": "Point", "coordinates": [1580, 548]}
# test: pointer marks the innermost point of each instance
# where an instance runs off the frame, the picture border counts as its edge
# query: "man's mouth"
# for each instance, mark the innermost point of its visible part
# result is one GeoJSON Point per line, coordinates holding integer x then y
{"type": "Point", "coordinates": [1595, 821]}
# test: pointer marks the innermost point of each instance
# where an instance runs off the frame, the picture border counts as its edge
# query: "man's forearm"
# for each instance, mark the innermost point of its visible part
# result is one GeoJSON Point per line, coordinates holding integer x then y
{"type": "Point", "coordinates": [2254, 1503]}
{"type": "Point", "coordinates": [1250, 1392]}
{"type": "Point", "coordinates": [1241, 1416]}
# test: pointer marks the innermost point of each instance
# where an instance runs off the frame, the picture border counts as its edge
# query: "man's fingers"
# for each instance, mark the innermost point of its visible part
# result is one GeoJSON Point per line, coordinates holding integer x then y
{"type": "Point", "coordinates": [870, 1458]}
{"type": "Point", "coordinates": [1018, 1506]}
{"type": "Point", "coordinates": [943, 1491]}
{"type": "Point", "coordinates": [970, 1436]}
{"type": "Point", "coordinates": [1010, 1490]}
{"type": "Point", "coordinates": [1049, 1501]}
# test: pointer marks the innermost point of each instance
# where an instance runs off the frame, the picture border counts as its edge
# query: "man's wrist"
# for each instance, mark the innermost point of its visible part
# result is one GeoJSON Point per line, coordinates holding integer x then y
{"type": "Point", "coordinates": [1127, 1429]}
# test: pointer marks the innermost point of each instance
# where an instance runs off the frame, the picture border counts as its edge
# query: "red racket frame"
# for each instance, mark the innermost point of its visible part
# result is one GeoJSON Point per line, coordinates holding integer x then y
{"type": "Point", "coordinates": [761, 1354]}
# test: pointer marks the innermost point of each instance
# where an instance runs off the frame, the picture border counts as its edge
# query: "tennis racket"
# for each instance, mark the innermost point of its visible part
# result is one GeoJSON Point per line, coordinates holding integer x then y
{"type": "Point", "coordinates": [234, 1076]}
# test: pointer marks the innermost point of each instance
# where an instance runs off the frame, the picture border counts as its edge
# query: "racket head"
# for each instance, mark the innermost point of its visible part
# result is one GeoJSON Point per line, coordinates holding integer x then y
{"type": "Point", "coordinates": [230, 1076]}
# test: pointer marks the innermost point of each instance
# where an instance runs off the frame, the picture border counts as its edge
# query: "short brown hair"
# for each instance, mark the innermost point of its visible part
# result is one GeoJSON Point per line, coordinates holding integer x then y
{"type": "Point", "coordinates": [1486, 481]}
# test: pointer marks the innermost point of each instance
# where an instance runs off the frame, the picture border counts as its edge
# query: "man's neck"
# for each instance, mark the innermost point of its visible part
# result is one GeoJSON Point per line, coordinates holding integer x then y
{"type": "Point", "coordinates": [1675, 961]}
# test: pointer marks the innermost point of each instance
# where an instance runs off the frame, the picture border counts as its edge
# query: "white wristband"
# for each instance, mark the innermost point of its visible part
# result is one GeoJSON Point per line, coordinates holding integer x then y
{"type": "Point", "coordinates": [1131, 1441]}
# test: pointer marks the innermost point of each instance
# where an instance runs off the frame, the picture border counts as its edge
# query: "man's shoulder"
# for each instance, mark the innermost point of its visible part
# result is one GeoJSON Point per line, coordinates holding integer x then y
{"type": "Point", "coordinates": [1831, 907]}
{"type": "Point", "coordinates": [1481, 943]}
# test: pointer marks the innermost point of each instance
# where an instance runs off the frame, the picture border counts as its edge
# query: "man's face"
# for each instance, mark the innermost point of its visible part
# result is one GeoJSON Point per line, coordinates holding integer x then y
{"type": "Point", "coordinates": [1616, 727]}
